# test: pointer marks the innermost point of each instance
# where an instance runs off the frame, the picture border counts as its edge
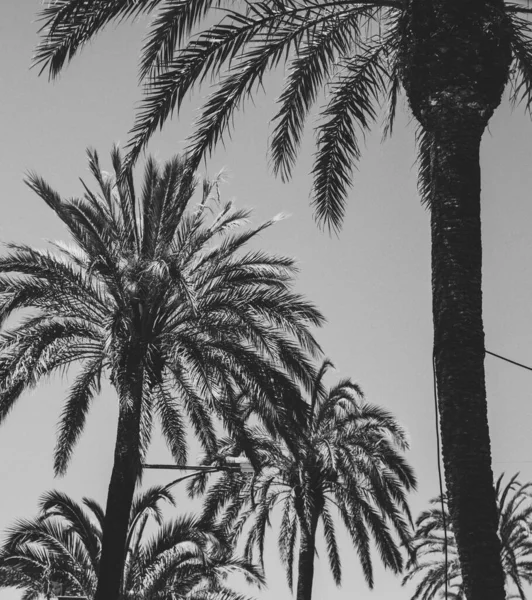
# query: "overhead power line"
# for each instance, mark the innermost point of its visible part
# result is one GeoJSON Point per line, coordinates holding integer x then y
{"type": "Point", "coordinates": [513, 362]}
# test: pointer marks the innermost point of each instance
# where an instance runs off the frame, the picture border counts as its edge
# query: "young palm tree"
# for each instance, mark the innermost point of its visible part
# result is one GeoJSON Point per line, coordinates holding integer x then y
{"type": "Point", "coordinates": [62, 546]}
{"type": "Point", "coordinates": [453, 59]}
{"type": "Point", "coordinates": [350, 459]}
{"type": "Point", "coordinates": [428, 566]}
{"type": "Point", "coordinates": [162, 302]}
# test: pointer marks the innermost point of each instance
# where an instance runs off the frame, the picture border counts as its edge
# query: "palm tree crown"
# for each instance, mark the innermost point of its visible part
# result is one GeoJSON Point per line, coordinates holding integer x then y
{"type": "Point", "coordinates": [62, 546]}
{"type": "Point", "coordinates": [427, 565]}
{"type": "Point", "coordinates": [162, 300]}
{"type": "Point", "coordinates": [349, 458]}
{"type": "Point", "coordinates": [146, 271]}
{"type": "Point", "coordinates": [356, 50]}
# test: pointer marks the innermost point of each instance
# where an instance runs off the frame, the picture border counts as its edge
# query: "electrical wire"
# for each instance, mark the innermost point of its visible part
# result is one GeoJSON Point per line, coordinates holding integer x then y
{"type": "Point", "coordinates": [513, 362]}
{"type": "Point", "coordinates": [440, 477]}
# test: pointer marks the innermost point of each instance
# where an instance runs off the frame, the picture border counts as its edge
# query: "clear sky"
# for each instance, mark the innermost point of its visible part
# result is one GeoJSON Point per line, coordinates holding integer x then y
{"type": "Point", "coordinates": [372, 282]}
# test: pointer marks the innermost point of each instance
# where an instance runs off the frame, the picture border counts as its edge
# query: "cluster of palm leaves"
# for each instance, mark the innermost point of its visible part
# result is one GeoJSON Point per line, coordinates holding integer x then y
{"type": "Point", "coordinates": [357, 51]}
{"type": "Point", "coordinates": [453, 59]}
{"type": "Point", "coordinates": [61, 548]}
{"type": "Point", "coordinates": [438, 573]}
{"type": "Point", "coordinates": [162, 298]}
{"type": "Point", "coordinates": [349, 462]}
{"type": "Point", "coordinates": [349, 457]}
{"type": "Point", "coordinates": [157, 296]}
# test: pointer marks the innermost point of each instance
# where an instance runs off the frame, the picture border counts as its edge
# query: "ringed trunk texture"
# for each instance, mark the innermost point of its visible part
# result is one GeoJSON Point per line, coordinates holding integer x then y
{"type": "Point", "coordinates": [454, 66]}
{"type": "Point", "coordinates": [120, 498]}
{"type": "Point", "coordinates": [307, 549]}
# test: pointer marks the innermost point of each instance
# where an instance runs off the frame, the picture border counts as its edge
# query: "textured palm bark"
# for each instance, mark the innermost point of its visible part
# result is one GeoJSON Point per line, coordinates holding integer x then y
{"type": "Point", "coordinates": [455, 64]}
{"type": "Point", "coordinates": [120, 498]}
{"type": "Point", "coordinates": [459, 360]}
{"type": "Point", "coordinates": [307, 550]}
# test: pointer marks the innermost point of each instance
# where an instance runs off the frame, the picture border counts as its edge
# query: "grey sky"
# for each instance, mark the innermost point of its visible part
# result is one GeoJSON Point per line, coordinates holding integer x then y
{"type": "Point", "coordinates": [372, 283]}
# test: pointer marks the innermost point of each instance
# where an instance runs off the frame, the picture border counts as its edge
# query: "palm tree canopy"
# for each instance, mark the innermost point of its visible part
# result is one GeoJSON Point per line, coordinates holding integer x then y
{"type": "Point", "coordinates": [62, 546]}
{"type": "Point", "coordinates": [350, 458]}
{"type": "Point", "coordinates": [146, 273]}
{"type": "Point", "coordinates": [352, 50]}
{"type": "Point", "coordinates": [427, 565]}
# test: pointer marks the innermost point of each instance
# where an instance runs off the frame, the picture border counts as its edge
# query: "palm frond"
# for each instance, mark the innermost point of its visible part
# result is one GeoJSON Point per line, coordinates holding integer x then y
{"type": "Point", "coordinates": [70, 24]}
{"type": "Point", "coordinates": [331, 37]}
{"type": "Point", "coordinates": [521, 74]}
{"type": "Point", "coordinates": [350, 109]}
{"type": "Point", "coordinates": [425, 149]}
{"type": "Point", "coordinates": [173, 23]}
{"type": "Point", "coordinates": [333, 553]}
{"type": "Point", "coordinates": [77, 405]}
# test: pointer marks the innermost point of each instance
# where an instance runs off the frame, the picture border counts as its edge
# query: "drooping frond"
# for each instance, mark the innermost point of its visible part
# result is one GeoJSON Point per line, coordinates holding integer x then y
{"type": "Point", "coordinates": [333, 553]}
{"type": "Point", "coordinates": [350, 111]}
{"type": "Point", "coordinates": [36, 349]}
{"type": "Point", "coordinates": [425, 149]}
{"type": "Point", "coordinates": [55, 504]}
{"type": "Point", "coordinates": [173, 23]}
{"type": "Point", "coordinates": [170, 416]}
{"type": "Point", "coordinates": [77, 405]}
{"type": "Point", "coordinates": [69, 24]}
{"type": "Point", "coordinates": [249, 42]}
{"type": "Point", "coordinates": [521, 74]}
{"type": "Point", "coordinates": [287, 540]}
{"type": "Point", "coordinates": [311, 68]}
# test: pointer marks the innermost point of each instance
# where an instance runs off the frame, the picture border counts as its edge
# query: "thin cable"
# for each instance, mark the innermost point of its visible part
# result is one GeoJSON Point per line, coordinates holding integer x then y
{"type": "Point", "coordinates": [513, 362]}
{"type": "Point", "coordinates": [440, 478]}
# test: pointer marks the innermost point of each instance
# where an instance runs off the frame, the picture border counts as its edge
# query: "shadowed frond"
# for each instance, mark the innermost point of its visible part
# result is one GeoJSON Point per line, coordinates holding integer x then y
{"type": "Point", "coordinates": [72, 422]}
{"type": "Point", "coordinates": [173, 23]}
{"type": "Point", "coordinates": [312, 67]}
{"type": "Point", "coordinates": [351, 109]}
{"type": "Point", "coordinates": [69, 24]}
{"type": "Point", "coordinates": [424, 144]}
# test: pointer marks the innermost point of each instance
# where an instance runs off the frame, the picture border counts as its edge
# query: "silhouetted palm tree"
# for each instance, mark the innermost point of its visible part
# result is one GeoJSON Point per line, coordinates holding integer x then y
{"type": "Point", "coordinates": [428, 567]}
{"type": "Point", "coordinates": [163, 302]}
{"type": "Point", "coordinates": [453, 59]}
{"type": "Point", "coordinates": [183, 558]}
{"type": "Point", "coordinates": [350, 460]}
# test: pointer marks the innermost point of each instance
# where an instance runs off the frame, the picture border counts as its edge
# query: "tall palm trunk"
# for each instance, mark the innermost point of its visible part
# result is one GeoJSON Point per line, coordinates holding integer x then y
{"type": "Point", "coordinates": [307, 550]}
{"type": "Point", "coordinates": [455, 64]}
{"type": "Point", "coordinates": [120, 495]}
{"type": "Point", "coordinates": [459, 359]}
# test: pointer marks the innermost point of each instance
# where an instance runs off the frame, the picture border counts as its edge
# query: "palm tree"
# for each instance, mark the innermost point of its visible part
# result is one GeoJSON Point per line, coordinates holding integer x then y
{"type": "Point", "coordinates": [350, 458]}
{"type": "Point", "coordinates": [162, 302]}
{"type": "Point", "coordinates": [452, 58]}
{"type": "Point", "coordinates": [428, 564]}
{"type": "Point", "coordinates": [62, 545]}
